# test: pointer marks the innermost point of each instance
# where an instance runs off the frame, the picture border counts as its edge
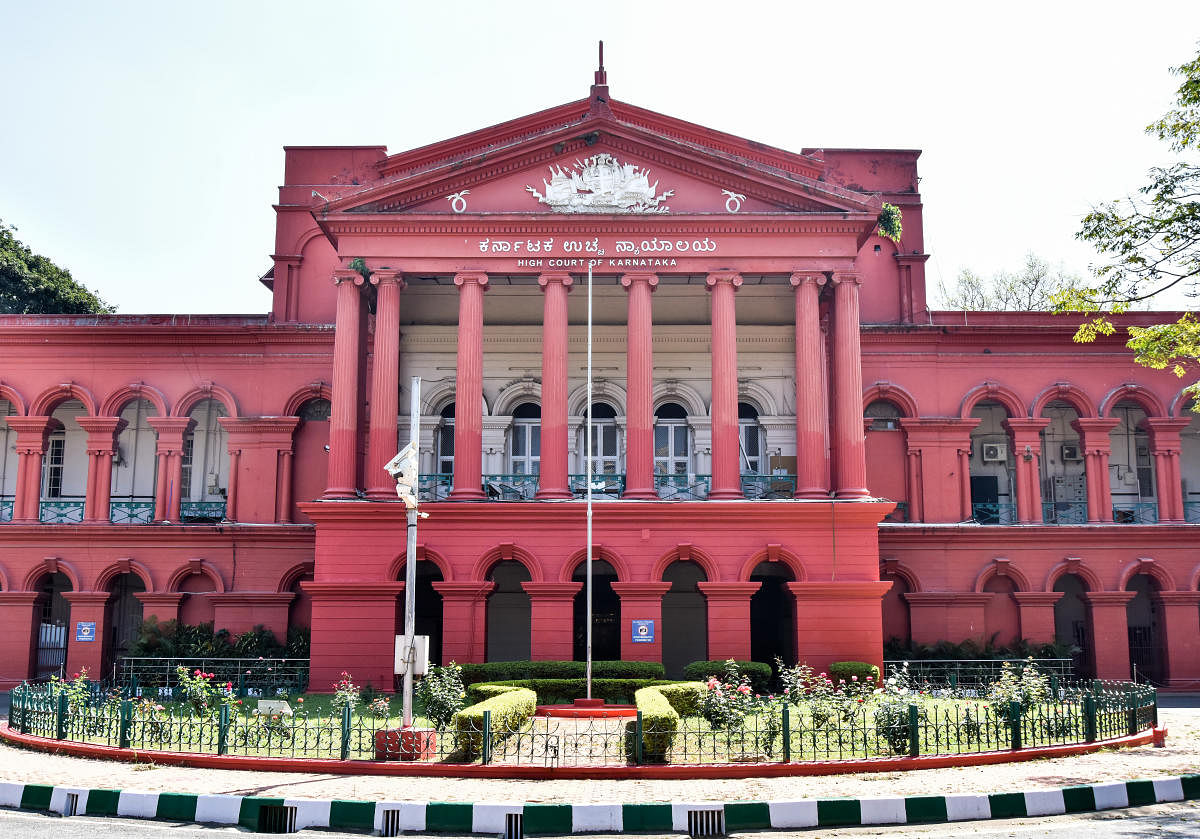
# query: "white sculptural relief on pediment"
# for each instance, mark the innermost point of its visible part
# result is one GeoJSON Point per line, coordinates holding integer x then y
{"type": "Point", "coordinates": [601, 184]}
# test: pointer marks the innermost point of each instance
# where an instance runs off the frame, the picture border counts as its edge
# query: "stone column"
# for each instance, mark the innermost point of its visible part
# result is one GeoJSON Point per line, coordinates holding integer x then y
{"type": "Point", "coordinates": [726, 457]}
{"type": "Point", "coordinates": [812, 409]}
{"type": "Point", "coordinates": [639, 406]}
{"type": "Point", "coordinates": [850, 463]}
{"type": "Point", "coordinates": [168, 448]}
{"type": "Point", "coordinates": [1181, 622]}
{"type": "Point", "coordinates": [1027, 449]}
{"type": "Point", "coordinates": [464, 619]}
{"type": "Point", "coordinates": [1037, 614]}
{"type": "Point", "coordinates": [1110, 631]}
{"type": "Point", "coordinates": [88, 607]}
{"type": "Point", "coordinates": [641, 601]}
{"type": "Point", "coordinates": [728, 619]}
{"type": "Point", "coordinates": [1165, 445]}
{"type": "Point", "coordinates": [552, 481]}
{"type": "Point", "coordinates": [468, 389]}
{"type": "Point", "coordinates": [283, 512]}
{"type": "Point", "coordinates": [385, 386]}
{"type": "Point", "coordinates": [31, 448]}
{"type": "Point", "coordinates": [18, 611]}
{"type": "Point", "coordinates": [1094, 439]}
{"type": "Point", "coordinates": [552, 620]}
{"type": "Point", "coordinates": [101, 448]}
{"type": "Point", "coordinates": [343, 420]}
{"type": "Point", "coordinates": [916, 509]}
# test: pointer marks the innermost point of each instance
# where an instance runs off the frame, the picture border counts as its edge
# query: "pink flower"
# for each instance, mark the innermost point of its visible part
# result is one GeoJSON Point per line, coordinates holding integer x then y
{"type": "Point", "coordinates": [744, 689]}
{"type": "Point", "coordinates": [854, 678]}
{"type": "Point", "coordinates": [712, 683]}
{"type": "Point", "coordinates": [197, 673]}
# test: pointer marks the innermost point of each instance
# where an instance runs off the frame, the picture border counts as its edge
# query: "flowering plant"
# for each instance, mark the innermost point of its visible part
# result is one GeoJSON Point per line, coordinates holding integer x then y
{"type": "Point", "coordinates": [441, 693]}
{"type": "Point", "coordinates": [345, 692]}
{"type": "Point", "coordinates": [201, 690]}
{"type": "Point", "coordinates": [729, 700]}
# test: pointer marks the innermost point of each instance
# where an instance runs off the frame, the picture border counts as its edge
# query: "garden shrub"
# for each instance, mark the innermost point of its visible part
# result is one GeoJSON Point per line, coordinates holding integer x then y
{"type": "Point", "coordinates": [757, 673]}
{"type": "Point", "coordinates": [511, 708]}
{"type": "Point", "coordinates": [660, 721]}
{"type": "Point", "coordinates": [846, 671]}
{"type": "Point", "coordinates": [172, 639]}
{"type": "Point", "coordinates": [1028, 687]}
{"type": "Point", "coordinates": [500, 671]}
{"type": "Point", "coordinates": [565, 691]}
{"type": "Point", "coordinates": [685, 697]}
{"type": "Point", "coordinates": [441, 693]}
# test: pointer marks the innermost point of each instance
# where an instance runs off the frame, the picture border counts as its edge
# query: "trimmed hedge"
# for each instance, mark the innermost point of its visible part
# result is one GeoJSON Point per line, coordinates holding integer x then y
{"type": "Point", "coordinates": [503, 671]}
{"type": "Point", "coordinates": [660, 721]}
{"type": "Point", "coordinates": [756, 672]}
{"type": "Point", "coordinates": [565, 691]}
{"type": "Point", "coordinates": [511, 708]}
{"type": "Point", "coordinates": [842, 671]}
{"type": "Point", "coordinates": [685, 697]}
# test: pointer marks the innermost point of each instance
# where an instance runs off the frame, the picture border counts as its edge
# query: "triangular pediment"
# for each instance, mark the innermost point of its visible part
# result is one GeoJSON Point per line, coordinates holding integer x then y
{"type": "Point", "coordinates": [579, 159]}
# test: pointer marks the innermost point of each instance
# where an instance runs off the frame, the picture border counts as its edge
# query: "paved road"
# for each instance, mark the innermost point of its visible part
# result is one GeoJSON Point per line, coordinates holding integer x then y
{"type": "Point", "coordinates": [1163, 821]}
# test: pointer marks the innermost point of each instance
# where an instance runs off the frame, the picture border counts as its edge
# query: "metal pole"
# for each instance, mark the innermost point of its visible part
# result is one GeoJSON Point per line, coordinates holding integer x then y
{"type": "Point", "coordinates": [588, 479]}
{"type": "Point", "coordinates": [410, 559]}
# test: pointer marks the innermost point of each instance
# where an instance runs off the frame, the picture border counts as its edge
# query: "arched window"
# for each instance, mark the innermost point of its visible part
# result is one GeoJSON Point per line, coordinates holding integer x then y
{"type": "Point", "coordinates": [310, 469]}
{"type": "Point", "coordinates": [751, 440]}
{"type": "Point", "coordinates": [64, 468]}
{"type": "Point", "coordinates": [1064, 478]}
{"type": "Point", "coordinates": [672, 450]}
{"type": "Point", "coordinates": [605, 443]}
{"type": "Point", "coordinates": [884, 416]}
{"type": "Point", "coordinates": [205, 477]}
{"type": "Point", "coordinates": [525, 440]}
{"type": "Point", "coordinates": [134, 467]}
{"type": "Point", "coordinates": [993, 469]}
{"type": "Point", "coordinates": [1131, 468]}
{"type": "Point", "coordinates": [8, 462]}
{"type": "Point", "coordinates": [443, 443]}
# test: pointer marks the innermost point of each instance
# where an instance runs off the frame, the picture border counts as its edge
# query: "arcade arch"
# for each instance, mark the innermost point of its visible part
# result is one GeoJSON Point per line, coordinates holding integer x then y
{"type": "Point", "coordinates": [1131, 466]}
{"type": "Point", "coordinates": [205, 470]}
{"type": "Point", "coordinates": [993, 467]}
{"type": "Point", "coordinates": [1063, 467]}
{"type": "Point", "coordinates": [684, 617]}
{"type": "Point", "coordinates": [509, 617]}
{"type": "Point", "coordinates": [1073, 621]}
{"type": "Point", "coordinates": [606, 613]}
{"type": "Point", "coordinates": [772, 614]}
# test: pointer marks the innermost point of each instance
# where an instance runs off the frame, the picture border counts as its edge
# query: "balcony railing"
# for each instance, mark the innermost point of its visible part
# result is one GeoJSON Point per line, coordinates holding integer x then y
{"type": "Point", "coordinates": [605, 487]}
{"type": "Point", "coordinates": [510, 487]}
{"type": "Point", "coordinates": [434, 487]}
{"type": "Point", "coordinates": [131, 511]}
{"type": "Point", "coordinates": [61, 511]}
{"type": "Point", "coordinates": [1135, 512]}
{"type": "Point", "coordinates": [6, 509]}
{"type": "Point", "coordinates": [898, 515]}
{"type": "Point", "coordinates": [1191, 512]}
{"type": "Point", "coordinates": [994, 513]}
{"type": "Point", "coordinates": [202, 512]}
{"type": "Point", "coordinates": [1064, 512]}
{"type": "Point", "coordinates": [768, 487]}
{"type": "Point", "coordinates": [683, 487]}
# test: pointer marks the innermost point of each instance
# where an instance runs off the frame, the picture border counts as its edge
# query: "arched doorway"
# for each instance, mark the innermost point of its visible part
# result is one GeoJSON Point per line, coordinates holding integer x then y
{"type": "Point", "coordinates": [204, 480]}
{"type": "Point", "coordinates": [134, 467]}
{"type": "Point", "coordinates": [310, 469]}
{"type": "Point", "coordinates": [684, 618]}
{"type": "Point", "coordinates": [196, 607]}
{"type": "Point", "coordinates": [509, 624]}
{"type": "Point", "coordinates": [897, 624]}
{"type": "Point", "coordinates": [299, 610]}
{"type": "Point", "coordinates": [772, 614]}
{"type": "Point", "coordinates": [1063, 469]}
{"type": "Point", "coordinates": [122, 616]}
{"type": "Point", "coordinates": [1146, 653]}
{"type": "Point", "coordinates": [428, 603]}
{"type": "Point", "coordinates": [1001, 614]}
{"type": "Point", "coordinates": [1072, 622]}
{"type": "Point", "coordinates": [52, 617]}
{"type": "Point", "coordinates": [606, 613]}
{"type": "Point", "coordinates": [993, 469]}
{"type": "Point", "coordinates": [1131, 468]}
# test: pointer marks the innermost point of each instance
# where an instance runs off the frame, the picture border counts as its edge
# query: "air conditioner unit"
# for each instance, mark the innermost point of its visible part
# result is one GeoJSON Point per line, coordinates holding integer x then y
{"type": "Point", "coordinates": [995, 452]}
{"type": "Point", "coordinates": [1070, 454]}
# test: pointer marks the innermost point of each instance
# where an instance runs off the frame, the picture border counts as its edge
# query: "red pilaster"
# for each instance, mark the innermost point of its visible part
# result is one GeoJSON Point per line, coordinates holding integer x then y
{"type": "Point", "coordinates": [639, 370]}
{"type": "Point", "coordinates": [468, 389]}
{"type": "Point", "coordinates": [728, 619]}
{"type": "Point", "coordinates": [17, 615]}
{"type": "Point", "coordinates": [169, 449]}
{"type": "Point", "coordinates": [1037, 614]}
{"type": "Point", "coordinates": [812, 409]}
{"type": "Point", "coordinates": [241, 611]}
{"type": "Point", "coordinates": [464, 619]}
{"type": "Point", "coordinates": [31, 448]}
{"type": "Point", "coordinates": [839, 622]}
{"type": "Point", "coordinates": [726, 471]}
{"type": "Point", "coordinates": [353, 631]}
{"type": "Point", "coordinates": [1181, 619]}
{"type": "Point", "coordinates": [552, 616]}
{"type": "Point", "coordinates": [1165, 446]}
{"type": "Point", "coordinates": [343, 420]}
{"type": "Point", "coordinates": [283, 512]}
{"type": "Point", "coordinates": [1093, 437]}
{"type": "Point", "coordinates": [385, 385]}
{"type": "Point", "coordinates": [936, 449]}
{"type": "Point", "coordinates": [1110, 631]}
{"type": "Point", "coordinates": [86, 607]}
{"type": "Point", "coordinates": [850, 463]}
{"type": "Point", "coordinates": [641, 601]}
{"type": "Point", "coordinates": [552, 482]}
{"type": "Point", "coordinates": [1027, 448]}
{"type": "Point", "coordinates": [162, 605]}
{"type": "Point", "coordinates": [946, 615]}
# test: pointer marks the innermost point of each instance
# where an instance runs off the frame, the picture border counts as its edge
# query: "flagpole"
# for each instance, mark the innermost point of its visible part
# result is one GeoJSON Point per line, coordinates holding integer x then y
{"type": "Point", "coordinates": [588, 482]}
{"type": "Point", "coordinates": [410, 561]}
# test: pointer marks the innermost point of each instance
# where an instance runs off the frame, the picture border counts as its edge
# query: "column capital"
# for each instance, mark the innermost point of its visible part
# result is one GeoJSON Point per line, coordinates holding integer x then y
{"type": "Point", "coordinates": [565, 279]}
{"type": "Point", "coordinates": [651, 280]}
{"type": "Point", "coordinates": [732, 277]}
{"type": "Point", "coordinates": [1109, 598]}
{"type": "Point", "coordinates": [387, 276]}
{"type": "Point", "coordinates": [472, 277]}
{"type": "Point", "coordinates": [552, 591]}
{"type": "Point", "coordinates": [342, 275]}
{"type": "Point", "coordinates": [846, 278]}
{"type": "Point", "coordinates": [100, 426]}
{"type": "Point", "coordinates": [801, 278]}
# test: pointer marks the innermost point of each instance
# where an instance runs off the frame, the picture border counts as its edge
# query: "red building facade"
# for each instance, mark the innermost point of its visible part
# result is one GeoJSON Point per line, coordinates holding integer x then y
{"type": "Point", "coordinates": [794, 455]}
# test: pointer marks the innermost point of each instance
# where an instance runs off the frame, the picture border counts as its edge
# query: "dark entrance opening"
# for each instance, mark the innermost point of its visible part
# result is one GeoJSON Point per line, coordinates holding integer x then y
{"type": "Point", "coordinates": [509, 619]}
{"type": "Point", "coordinates": [684, 617]}
{"type": "Point", "coordinates": [606, 613]}
{"type": "Point", "coordinates": [122, 616]}
{"type": "Point", "coordinates": [1072, 624]}
{"type": "Point", "coordinates": [772, 614]}
{"type": "Point", "coordinates": [428, 608]}
{"type": "Point", "coordinates": [51, 619]}
{"type": "Point", "coordinates": [1146, 655]}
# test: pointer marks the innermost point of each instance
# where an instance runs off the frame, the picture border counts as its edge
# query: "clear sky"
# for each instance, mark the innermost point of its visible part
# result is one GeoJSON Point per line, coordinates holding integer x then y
{"type": "Point", "coordinates": [141, 144]}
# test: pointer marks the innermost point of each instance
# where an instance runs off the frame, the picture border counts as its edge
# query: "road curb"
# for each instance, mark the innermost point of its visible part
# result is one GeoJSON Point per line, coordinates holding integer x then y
{"type": "Point", "coordinates": [557, 819]}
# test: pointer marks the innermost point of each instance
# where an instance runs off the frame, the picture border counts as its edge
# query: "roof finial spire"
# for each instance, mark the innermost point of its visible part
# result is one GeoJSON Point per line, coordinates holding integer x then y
{"type": "Point", "coordinates": [601, 76]}
{"type": "Point", "coordinates": [598, 100]}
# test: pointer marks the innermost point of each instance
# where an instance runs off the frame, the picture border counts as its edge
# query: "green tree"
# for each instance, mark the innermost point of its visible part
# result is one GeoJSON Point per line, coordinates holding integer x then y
{"type": "Point", "coordinates": [30, 284]}
{"type": "Point", "coordinates": [1028, 290]}
{"type": "Point", "coordinates": [1151, 243]}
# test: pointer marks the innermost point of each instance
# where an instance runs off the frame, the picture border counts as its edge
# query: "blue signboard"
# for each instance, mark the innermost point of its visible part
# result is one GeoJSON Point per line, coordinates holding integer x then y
{"type": "Point", "coordinates": [85, 631]}
{"type": "Point", "coordinates": [643, 632]}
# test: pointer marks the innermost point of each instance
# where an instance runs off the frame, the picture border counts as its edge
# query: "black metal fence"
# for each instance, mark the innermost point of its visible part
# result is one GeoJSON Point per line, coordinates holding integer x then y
{"type": "Point", "coordinates": [937, 723]}
{"type": "Point", "coordinates": [265, 677]}
{"type": "Point", "coordinates": [974, 673]}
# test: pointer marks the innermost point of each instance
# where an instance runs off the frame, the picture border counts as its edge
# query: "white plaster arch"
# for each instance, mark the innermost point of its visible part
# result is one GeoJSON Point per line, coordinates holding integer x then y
{"type": "Point", "coordinates": [439, 395]}
{"type": "Point", "coordinates": [604, 390]}
{"type": "Point", "coordinates": [515, 393]}
{"type": "Point", "coordinates": [753, 393]}
{"type": "Point", "coordinates": [681, 393]}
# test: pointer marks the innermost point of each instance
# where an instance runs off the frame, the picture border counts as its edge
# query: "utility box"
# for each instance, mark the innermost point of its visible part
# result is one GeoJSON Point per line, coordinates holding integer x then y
{"type": "Point", "coordinates": [421, 654]}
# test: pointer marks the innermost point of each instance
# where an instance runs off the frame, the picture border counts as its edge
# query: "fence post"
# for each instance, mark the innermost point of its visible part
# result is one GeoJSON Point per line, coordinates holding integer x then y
{"type": "Point", "coordinates": [346, 731]}
{"type": "Point", "coordinates": [223, 730]}
{"type": "Point", "coordinates": [1089, 718]}
{"type": "Point", "coordinates": [241, 685]}
{"type": "Point", "coordinates": [487, 737]}
{"type": "Point", "coordinates": [954, 681]}
{"type": "Point", "coordinates": [787, 732]}
{"type": "Point", "coordinates": [126, 722]}
{"type": "Point", "coordinates": [1131, 712]}
{"type": "Point", "coordinates": [1014, 721]}
{"type": "Point", "coordinates": [1154, 705]}
{"type": "Point", "coordinates": [60, 717]}
{"type": "Point", "coordinates": [637, 739]}
{"type": "Point", "coordinates": [1054, 686]}
{"type": "Point", "coordinates": [914, 730]}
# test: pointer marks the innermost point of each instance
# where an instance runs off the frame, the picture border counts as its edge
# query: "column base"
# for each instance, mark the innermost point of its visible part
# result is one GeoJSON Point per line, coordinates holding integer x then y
{"type": "Point", "coordinates": [639, 495]}
{"type": "Point", "coordinates": [815, 493]}
{"type": "Point", "coordinates": [378, 494]}
{"type": "Point", "coordinates": [466, 495]}
{"type": "Point", "coordinates": [853, 493]}
{"type": "Point", "coordinates": [725, 495]}
{"type": "Point", "coordinates": [339, 494]}
{"type": "Point", "coordinates": [553, 495]}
